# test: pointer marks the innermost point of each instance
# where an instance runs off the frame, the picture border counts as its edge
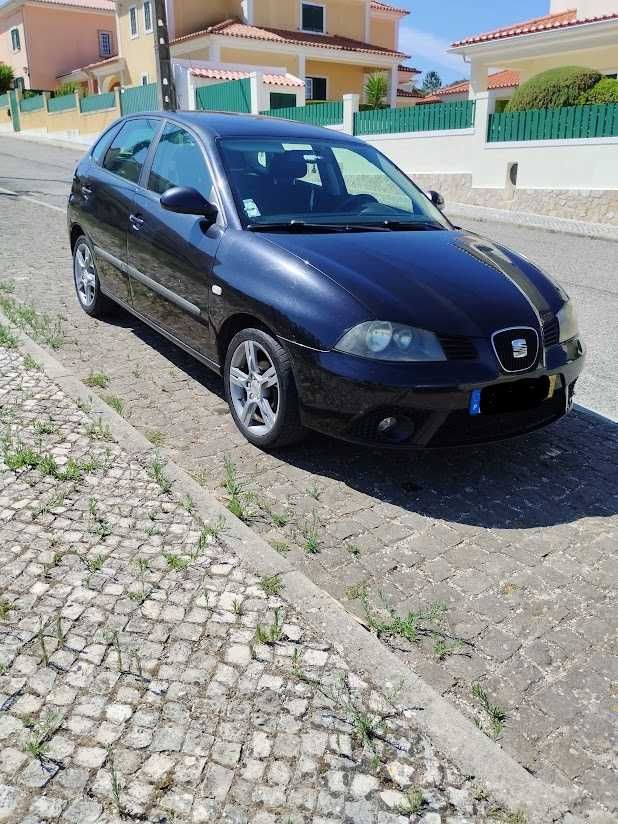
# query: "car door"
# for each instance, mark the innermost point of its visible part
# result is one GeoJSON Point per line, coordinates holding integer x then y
{"type": "Point", "coordinates": [109, 194]}
{"type": "Point", "coordinates": [171, 256]}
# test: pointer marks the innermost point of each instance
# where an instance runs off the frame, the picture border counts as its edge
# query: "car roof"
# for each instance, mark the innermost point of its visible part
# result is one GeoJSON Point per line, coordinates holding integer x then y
{"type": "Point", "coordinates": [225, 124]}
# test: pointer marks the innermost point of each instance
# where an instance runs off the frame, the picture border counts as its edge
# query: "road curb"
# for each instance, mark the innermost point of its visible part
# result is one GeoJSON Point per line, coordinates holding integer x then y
{"type": "Point", "coordinates": [455, 735]}
{"type": "Point", "coordinates": [533, 220]}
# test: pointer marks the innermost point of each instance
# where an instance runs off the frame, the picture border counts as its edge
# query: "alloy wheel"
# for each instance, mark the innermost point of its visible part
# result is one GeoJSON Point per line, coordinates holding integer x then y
{"type": "Point", "coordinates": [85, 274]}
{"type": "Point", "coordinates": [254, 388]}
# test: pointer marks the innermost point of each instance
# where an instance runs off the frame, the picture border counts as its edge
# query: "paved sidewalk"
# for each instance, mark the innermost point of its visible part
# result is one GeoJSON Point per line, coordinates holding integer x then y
{"type": "Point", "coordinates": [145, 674]}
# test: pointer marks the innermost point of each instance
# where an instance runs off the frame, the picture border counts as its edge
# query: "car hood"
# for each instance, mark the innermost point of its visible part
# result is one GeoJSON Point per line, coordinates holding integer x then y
{"type": "Point", "coordinates": [451, 282]}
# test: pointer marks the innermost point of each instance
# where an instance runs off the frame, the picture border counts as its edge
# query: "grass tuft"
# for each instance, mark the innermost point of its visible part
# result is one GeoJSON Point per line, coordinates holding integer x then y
{"type": "Point", "coordinates": [98, 379]}
{"type": "Point", "coordinates": [271, 585]}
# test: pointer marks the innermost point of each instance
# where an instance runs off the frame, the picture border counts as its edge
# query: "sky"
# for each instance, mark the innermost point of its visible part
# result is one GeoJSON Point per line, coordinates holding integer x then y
{"type": "Point", "coordinates": [431, 27]}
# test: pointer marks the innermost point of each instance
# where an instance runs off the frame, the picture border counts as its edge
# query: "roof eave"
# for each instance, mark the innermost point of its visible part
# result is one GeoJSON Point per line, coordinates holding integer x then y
{"type": "Point", "coordinates": [563, 36]}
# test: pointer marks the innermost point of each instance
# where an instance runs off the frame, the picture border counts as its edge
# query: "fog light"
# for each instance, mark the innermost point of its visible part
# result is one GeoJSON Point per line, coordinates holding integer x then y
{"type": "Point", "coordinates": [396, 430]}
{"type": "Point", "coordinates": [386, 425]}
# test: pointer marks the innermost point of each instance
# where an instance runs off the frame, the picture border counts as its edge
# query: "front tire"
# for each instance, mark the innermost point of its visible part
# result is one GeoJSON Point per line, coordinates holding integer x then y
{"type": "Point", "coordinates": [260, 390]}
{"type": "Point", "coordinates": [86, 280]}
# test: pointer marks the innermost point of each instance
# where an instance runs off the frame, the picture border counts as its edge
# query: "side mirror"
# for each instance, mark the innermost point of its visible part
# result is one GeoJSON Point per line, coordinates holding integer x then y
{"type": "Point", "coordinates": [436, 198]}
{"type": "Point", "coordinates": [185, 200]}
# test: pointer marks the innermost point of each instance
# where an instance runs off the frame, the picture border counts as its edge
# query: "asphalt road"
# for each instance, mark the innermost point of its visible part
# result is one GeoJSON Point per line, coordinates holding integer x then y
{"type": "Point", "coordinates": [585, 267]}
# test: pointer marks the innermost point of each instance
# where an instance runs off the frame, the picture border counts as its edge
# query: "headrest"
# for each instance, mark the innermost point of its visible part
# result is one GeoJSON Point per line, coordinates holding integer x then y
{"type": "Point", "coordinates": [288, 165]}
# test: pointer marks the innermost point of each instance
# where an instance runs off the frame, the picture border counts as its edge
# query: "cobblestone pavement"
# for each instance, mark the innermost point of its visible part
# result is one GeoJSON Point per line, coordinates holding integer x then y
{"type": "Point", "coordinates": [146, 675]}
{"type": "Point", "coordinates": [518, 541]}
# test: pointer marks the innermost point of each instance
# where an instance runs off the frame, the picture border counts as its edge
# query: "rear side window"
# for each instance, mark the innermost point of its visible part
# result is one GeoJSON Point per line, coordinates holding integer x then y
{"type": "Point", "coordinates": [178, 161]}
{"type": "Point", "coordinates": [127, 154]}
{"type": "Point", "coordinates": [100, 147]}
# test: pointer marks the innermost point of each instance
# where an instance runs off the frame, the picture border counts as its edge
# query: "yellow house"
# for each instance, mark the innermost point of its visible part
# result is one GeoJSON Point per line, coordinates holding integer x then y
{"type": "Point", "coordinates": [329, 47]}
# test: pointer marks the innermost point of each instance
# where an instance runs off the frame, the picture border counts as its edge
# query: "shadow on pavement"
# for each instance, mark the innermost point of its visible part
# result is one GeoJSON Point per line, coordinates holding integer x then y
{"type": "Point", "coordinates": [555, 476]}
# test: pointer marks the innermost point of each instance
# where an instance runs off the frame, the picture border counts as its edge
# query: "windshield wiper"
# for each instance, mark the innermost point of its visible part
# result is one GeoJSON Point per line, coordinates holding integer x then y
{"type": "Point", "coordinates": [413, 225]}
{"type": "Point", "coordinates": [302, 226]}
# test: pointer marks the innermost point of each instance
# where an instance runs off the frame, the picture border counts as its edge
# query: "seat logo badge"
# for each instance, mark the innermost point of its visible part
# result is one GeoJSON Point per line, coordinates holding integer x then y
{"type": "Point", "coordinates": [520, 348]}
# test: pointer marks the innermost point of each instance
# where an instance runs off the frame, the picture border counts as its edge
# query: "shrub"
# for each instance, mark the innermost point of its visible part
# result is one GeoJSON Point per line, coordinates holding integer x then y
{"type": "Point", "coordinates": [605, 91]}
{"type": "Point", "coordinates": [553, 89]}
{"type": "Point", "coordinates": [6, 77]}
{"type": "Point", "coordinates": [376, 89]}
{"type": "Point", "coordinates": [70, 87]}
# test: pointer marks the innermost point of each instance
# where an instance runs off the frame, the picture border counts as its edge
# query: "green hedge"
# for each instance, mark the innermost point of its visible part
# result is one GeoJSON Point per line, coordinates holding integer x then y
{"type": "Point", "coordinates": [605, 91]}
{"type": "Point", "coordinates": [553, 89]}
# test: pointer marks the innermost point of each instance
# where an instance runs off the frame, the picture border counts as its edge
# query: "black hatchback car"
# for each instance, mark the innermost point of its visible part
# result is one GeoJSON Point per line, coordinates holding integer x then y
{"type": "Point", "coordinates": [327, 289]}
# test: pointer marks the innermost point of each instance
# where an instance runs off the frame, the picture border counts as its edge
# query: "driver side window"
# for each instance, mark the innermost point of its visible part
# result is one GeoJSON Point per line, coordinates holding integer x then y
{"type": "Point", "coordinates": [361, 177]}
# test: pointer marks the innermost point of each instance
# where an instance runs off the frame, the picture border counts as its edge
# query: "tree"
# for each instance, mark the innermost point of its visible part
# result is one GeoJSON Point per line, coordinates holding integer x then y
{"type": "Point", "coordinates": [6, 77]}
{"type": "Point", "coordinates": [432, 81]}
{"type": "Point", "coordinates": [605, 91]}
{"type": "Point", "coordinates": [376, 89]}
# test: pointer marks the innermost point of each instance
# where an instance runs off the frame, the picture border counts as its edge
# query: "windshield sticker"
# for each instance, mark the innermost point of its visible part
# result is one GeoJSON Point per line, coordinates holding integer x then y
{"type": "Point", "coordinates": [251, 210]}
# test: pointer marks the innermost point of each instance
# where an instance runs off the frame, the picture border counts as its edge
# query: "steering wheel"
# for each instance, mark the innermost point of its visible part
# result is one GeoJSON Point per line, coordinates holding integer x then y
{"type": "Point", "coordinates": [358, 201]}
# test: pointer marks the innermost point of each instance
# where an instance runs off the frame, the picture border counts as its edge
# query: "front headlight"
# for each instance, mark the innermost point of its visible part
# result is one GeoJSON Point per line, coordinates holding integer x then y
{"type": "Point", "coordinates": [568, 322]}
{"type": "Point", "coordinates": [382, 340]}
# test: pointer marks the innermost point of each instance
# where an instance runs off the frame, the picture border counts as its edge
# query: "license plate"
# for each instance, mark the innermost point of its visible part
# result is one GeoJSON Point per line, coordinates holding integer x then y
{"type": "Point", "coordinates": [512, 396]}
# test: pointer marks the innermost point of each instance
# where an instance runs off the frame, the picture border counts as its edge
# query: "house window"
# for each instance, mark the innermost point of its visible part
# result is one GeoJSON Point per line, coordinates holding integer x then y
{"type": "Point", "coordinates": [105, 43]}
{"type": "Point", "coordinates": [147, 16]}
{"type": "Point", "coordinates": [133, 21]}
{"type": "Point", "coordinates": [15, 40]}
{"type": "Point", "coordinates": [316, 88]}
{"type": "Point", "coordinates": [313, 18]}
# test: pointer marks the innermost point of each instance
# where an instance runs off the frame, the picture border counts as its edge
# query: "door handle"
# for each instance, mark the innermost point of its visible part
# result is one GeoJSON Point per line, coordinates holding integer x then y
{"type": "Point", "coordinates": [137, 221]}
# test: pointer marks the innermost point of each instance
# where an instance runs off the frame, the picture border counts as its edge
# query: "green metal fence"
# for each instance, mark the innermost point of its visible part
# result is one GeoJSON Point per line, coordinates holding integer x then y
{"type": "Point", "coordinates": [32, 104]}
{"type": "Point", "coordinates": [232, 96]}
{"type": "Point", "coordinates": [62, 104]}
{"type": "Point", "coordinates": [140, 99]}
{"type": "Point", "coordinates": [4, 101]}
{"type": "Point", "coordinates": [568, 123]}
{"type": "Point", "coordinates": [421, 118]}
{"type": "Point", "coordinates": [96, 102]}
{"type": "Point", "coordinates": [318, 114]}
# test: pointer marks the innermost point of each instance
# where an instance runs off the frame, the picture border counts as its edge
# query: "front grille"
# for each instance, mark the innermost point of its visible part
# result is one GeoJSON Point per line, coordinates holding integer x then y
{"type": "Point", "coordinates": [517, 349]}
{"type": "Point", "coordinates": [551, 329]}
{"type": "Point", "coordinates": [461, 428]}
{"type": "Point", "coordinates": [458, 348]}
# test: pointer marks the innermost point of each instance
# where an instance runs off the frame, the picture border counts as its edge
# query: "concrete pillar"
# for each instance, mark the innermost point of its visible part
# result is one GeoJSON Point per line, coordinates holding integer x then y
{"type": "Point", "coordinates": [351, 103]}
{"type": "Point", "coordinates": [259, 100]}
{"type": "Point", "coordinates": [481, 123]}
{"type": "Point", "coordinates": [479, 74]}
{"type": "Point", "coordinates": [392, 91]}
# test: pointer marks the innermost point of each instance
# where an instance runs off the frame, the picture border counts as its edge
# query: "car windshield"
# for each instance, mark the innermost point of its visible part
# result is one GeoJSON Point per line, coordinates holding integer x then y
{"type": "Point", "coordinates": [324, 182]}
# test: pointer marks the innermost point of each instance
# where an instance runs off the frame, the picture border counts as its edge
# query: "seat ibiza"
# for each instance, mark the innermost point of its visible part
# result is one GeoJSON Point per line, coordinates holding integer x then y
{"type": "Point", "coordinates": [327, 289]}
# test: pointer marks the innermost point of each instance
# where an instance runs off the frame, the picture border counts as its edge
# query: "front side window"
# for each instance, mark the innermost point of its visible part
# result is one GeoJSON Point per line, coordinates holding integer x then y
{"type": "Point", "coordinates": [178, 161]}
{"type": "Point", "coordinates": [15, 40]}
{"type": "Point", "coordinates": [147, 16]}
{"type": "Point", "coordinates": [329, 182]}
{"type": "Point", "coordinates": [126, 156]}
{"type": "Point", "coordinates": [133, 21]}
{"type": "Point", "coordinates": [312, 18]}
{"type": "Point", "coordinates": [105, 43]}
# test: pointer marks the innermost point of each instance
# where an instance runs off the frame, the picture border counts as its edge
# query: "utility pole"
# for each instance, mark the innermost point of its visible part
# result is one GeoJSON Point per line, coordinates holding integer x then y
{"type": "Point", "coordinates": [165, 75]}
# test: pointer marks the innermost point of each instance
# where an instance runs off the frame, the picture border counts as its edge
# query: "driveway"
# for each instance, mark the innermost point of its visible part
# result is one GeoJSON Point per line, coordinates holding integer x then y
{"type": "Point", "coordinates": [515, 543]}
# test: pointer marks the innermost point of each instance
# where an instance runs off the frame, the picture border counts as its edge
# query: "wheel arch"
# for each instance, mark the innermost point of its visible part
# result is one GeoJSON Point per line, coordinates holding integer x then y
{"type": "Point", "coordinates": [235, 324]}
{"type": "Point", "coordinates": [76, 232]}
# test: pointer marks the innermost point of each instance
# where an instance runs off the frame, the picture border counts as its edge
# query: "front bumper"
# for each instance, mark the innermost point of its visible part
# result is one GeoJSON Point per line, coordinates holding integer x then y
{"type": "Point", "coordinates": [350, 397]}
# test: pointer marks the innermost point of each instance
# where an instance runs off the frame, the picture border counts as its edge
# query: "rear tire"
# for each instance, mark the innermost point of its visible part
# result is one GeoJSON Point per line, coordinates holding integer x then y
{"type": "Point", "coordinates": [86, 280]}
{"type": "Point", "coordinates": [260, 390]}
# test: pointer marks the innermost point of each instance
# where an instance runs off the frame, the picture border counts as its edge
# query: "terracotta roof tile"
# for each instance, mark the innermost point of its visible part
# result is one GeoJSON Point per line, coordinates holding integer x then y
{"type": "Point", "coordinates": [95, 5]}
{"type": "Point", "coordinates": [500, 80]}
{"type": "Point", "coordinates": [375, 4]}
{"type": "Point", "coordinates": [270, 79]}
{"type": "Point", "coordinates": [408, 69]}
{"type": "Point", "coordinates": [563, 20]}
{"type": "Point", "coordinates": [234, 28]}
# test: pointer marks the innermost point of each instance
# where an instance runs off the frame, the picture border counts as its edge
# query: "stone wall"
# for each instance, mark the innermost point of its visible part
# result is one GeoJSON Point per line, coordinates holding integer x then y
{"type": "Point", "coordinates": [591, 206]}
